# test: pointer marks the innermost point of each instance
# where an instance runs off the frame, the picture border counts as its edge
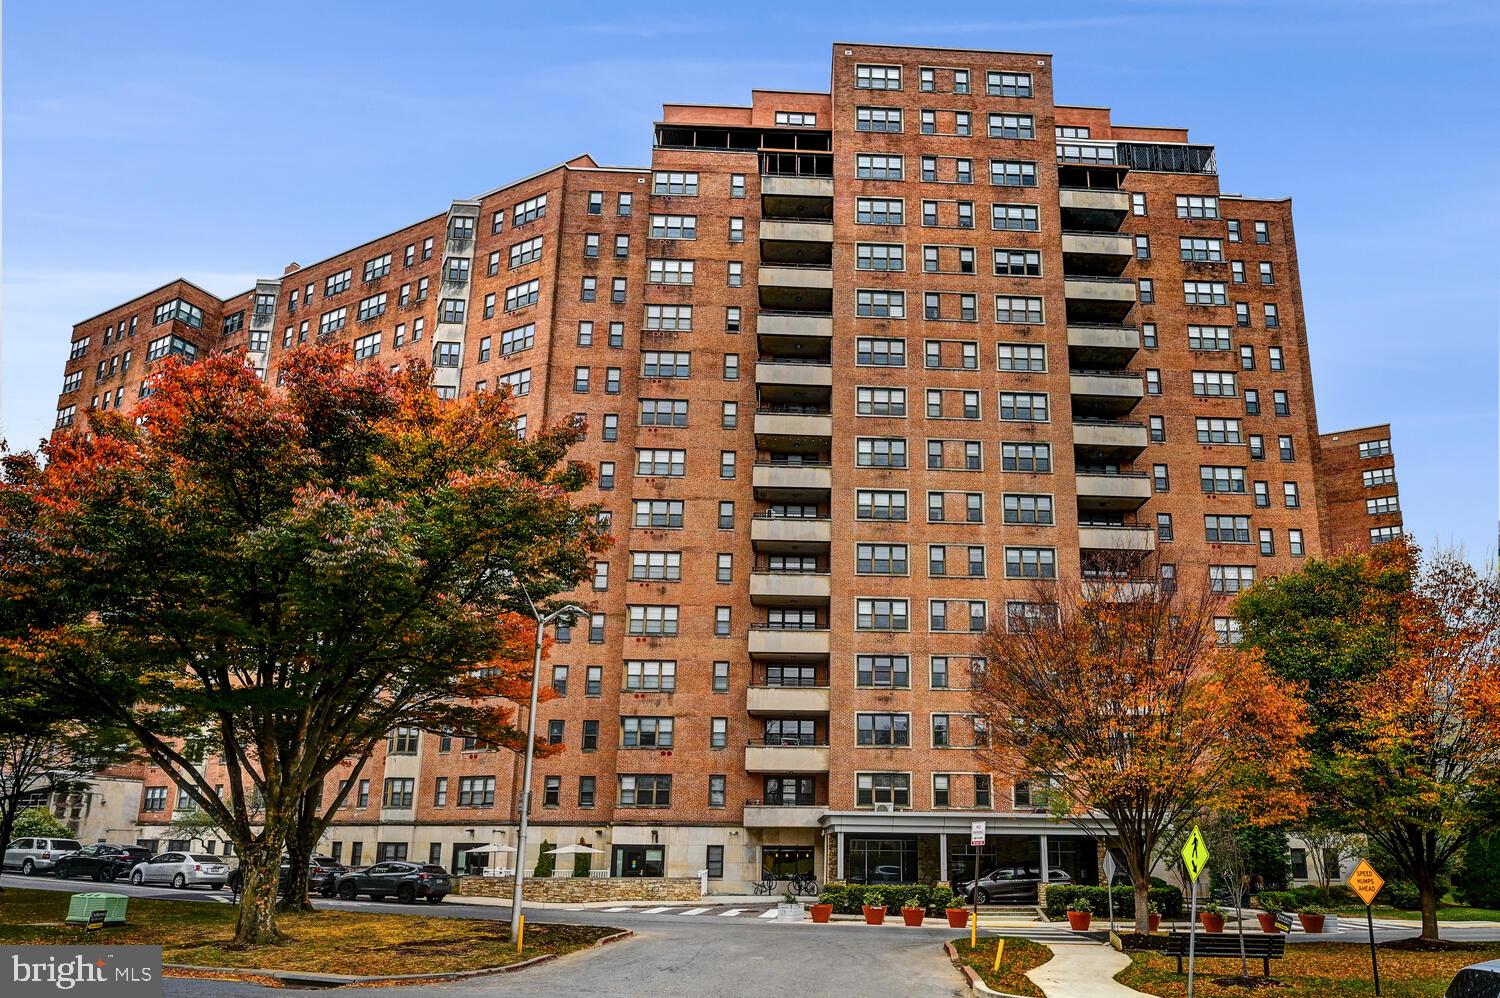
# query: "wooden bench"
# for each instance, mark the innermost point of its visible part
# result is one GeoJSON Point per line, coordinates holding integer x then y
{"type": "Point", "coordinates": [1226, 945]}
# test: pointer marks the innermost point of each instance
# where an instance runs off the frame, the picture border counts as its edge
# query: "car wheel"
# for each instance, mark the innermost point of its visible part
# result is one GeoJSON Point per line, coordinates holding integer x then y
{"type": "Point", "coordinates": [179, 881]}
{"type": "Point", "coordinates": [406, 893]}
{"type": "Point", "coordinates": [348, 892]}
{"type": "Point", "coordinates": [436, 898]}
{"type": "Point", "coordinates": [27, 867]}
{"type": "Point", "coordinates": [102, 875]}
{"type": "Point", "coordinates": [136, 878]}
{"type": "Point", "coordinates": [980, 897]}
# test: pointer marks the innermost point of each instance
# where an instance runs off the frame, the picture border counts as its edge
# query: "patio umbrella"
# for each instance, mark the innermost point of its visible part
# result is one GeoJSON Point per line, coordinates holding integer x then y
{"type": "Point", "coordinates": [492, 847]}
{"type": "Point", "coordinates": [562, 871]}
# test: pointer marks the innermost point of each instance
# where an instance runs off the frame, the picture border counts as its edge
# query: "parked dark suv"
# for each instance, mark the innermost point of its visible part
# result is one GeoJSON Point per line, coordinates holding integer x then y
{"type": "Point", "coordinates": [407, 881]}
{"type": "Point", "coordinates": [1010, 885]}
{"type": "Point", "coordinates": [102, 861]}
{"type": "Point", "coordinates": [322, 876]}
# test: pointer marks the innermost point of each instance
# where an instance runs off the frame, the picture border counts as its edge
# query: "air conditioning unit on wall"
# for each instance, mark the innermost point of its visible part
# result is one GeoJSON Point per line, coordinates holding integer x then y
{"type": "Point", "coordinates": [885, 808]}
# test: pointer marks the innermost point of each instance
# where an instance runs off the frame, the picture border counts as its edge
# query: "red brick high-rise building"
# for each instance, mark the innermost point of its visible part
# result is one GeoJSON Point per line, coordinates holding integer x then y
{"type": "Point", "coordinates": [857, 367]}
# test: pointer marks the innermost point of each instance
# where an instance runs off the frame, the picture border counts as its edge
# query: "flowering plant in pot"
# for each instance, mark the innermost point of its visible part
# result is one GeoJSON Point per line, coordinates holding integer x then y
{"type": "Point", "coordinates": [1312, 917]}
{"type": "Point", "coordinates": [874, 908]}
{"type": "Point", "coordinates": [821, 911]}
{"type": "Point", "coordinates": [1080, 912]}
{"type": "Point", "coordinates": [1212, 917]}
{"type": "Point", "coordinates": [944, 898]}
{"type": "Point", "coordinates": [913, 916]}
{"type": "Point", "coordinates": [1267, 915]}
{"type": "Point", "coordinates": [1153, 916]}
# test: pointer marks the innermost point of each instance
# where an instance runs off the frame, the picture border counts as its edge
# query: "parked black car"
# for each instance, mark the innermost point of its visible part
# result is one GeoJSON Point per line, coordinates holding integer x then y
{"type": "Point", "coordinates": [103, 861]}
{"type": "Point", "coordinates": [322, 876]}
{"type": "Point", "coordinates": [407, 881]}
{"type": "Point", "coordinates": [1010, 885]}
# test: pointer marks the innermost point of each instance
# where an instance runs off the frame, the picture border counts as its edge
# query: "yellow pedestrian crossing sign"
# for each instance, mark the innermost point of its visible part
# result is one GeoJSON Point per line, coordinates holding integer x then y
{"type": "Point", "coordinates": [1195, 854]}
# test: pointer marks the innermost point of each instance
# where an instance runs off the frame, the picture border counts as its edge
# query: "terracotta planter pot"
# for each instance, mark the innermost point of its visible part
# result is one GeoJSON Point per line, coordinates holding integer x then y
{"type": "Point", "coordinates": [958, 918]}
{"type": "Point", "coordinates": [874, 916]}
{"type": "Point", "coordinates": [1211, 922]}
{"type": "Point", "coordinates": [1267, 922]}
{"type": "Point", "coordinates": [1311, 923]}
{"type": "Point", "coordinates": [913, 916]}
{"type": "Point", "coordinates": [1078, 921]}
{"type": "Point", "coordinates": [821, 913]}
{"type": "Point", "coordinates": [1153, 921]}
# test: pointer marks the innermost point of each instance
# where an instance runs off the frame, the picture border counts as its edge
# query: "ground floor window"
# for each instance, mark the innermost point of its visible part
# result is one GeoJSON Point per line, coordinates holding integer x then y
{"type": "Point", "coordinates": [1022, 852]}
{"type": "Point", "coordinates": [640, 861]}
{"type": "Point", "coordinates": [715, 863]}
{"type": "Point", "coordinates": [389, 851]}
{"type": "Point", "coordinates": [881, 860]}
{"type": "Point", "coordinates": [786, 862]}
{"type": "Point", "coordinates": [471, 863]}
{"type": "Point", "coordinates": [1076, 856]}
{"type": "Point", "coordinates": [791, 791]}
{"type": "Point", "coordinates": [1299, 864]}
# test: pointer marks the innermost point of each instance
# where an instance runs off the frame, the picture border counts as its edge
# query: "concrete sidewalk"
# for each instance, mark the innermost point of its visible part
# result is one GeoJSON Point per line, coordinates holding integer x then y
{"type": "Point", "coordinates": [1082, 970]}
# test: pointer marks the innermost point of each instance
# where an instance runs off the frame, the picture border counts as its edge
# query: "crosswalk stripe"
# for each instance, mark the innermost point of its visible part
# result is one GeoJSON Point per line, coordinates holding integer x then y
{"type": "Point", "coordinates": [655, 911]}
{"type": "Point", "coordinates": [694, 911]}
{"type": "Point", "coordinates": [731, 912]}
{"type": "Point", "coordinates": [616, 909]}
{"type": "Point", "coordinates": [768, 913]}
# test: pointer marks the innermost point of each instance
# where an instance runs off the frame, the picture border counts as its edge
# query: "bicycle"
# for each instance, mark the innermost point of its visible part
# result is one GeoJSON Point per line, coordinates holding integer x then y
{"type": "Point", "coordinates": [766, 887]}
{"type": "Point", "coordinates": [803, 884]}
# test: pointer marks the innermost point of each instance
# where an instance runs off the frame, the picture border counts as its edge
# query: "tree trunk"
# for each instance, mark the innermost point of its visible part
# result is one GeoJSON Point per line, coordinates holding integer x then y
{"type": "Point", "coordinates": [260, 865]}
{"type": "Point", "coordinates": [7, 823]}
{"type": "Point", "coordinates": [1428, 890]}
{"type": "Point", "coordinates": [1142, 905]}
{"type": "Point", "coordinates": [301, 840]}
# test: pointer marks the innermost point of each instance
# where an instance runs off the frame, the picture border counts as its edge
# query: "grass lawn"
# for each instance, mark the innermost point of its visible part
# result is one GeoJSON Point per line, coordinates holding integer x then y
{"type": "Point", "coordinates": [329, 942]}
{"type": "Point", "coordinates": [1020, 956]}
{"type": "Point", "coordinates": [1314, 970]}
{"type": "Point", "coordinates": [1453, 912]}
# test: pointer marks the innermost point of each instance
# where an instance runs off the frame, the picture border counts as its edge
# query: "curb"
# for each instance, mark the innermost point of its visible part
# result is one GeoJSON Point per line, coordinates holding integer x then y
{"type": "Point", "coordinates": [976, 984]}
{"type": "Point", "coordinates": [297, 977]}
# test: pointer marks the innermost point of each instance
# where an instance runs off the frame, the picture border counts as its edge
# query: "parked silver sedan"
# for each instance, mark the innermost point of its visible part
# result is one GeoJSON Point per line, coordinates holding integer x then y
{"type": "Point", "coordinates": [182, 869]}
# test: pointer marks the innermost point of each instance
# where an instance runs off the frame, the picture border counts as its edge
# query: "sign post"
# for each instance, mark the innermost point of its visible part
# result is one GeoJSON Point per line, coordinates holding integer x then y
{"type": "Point", "coordinates": [1365, 882]}
{"type": "Point", "coordinates": [977, 834]}
{"type": "Point", "coordinates": [1109, 886]}
{"type": "Point", "coordinates": [1194, 858]}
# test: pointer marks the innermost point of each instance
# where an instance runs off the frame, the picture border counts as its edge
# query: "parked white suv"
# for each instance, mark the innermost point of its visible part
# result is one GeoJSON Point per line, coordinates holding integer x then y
{"type": "Point", "coordinates": [182, 869]}
{"type": "Point", "coordinates": [36, 855]}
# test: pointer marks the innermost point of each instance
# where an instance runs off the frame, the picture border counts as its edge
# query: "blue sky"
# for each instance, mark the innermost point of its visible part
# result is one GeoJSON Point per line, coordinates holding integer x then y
{"type": "Point", "coordinates": [147, 141]}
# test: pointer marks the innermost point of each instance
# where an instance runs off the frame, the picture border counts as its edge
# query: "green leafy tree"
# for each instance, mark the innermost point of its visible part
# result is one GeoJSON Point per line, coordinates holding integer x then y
{"type": "Point", "coordinates": [546, 862]}
{"type": "Point", "coordinates": [34, 821]}
{"type": "Point", "coordinates": [289, 571]}
{"type": "Point", "coordinates": [1479, 872]}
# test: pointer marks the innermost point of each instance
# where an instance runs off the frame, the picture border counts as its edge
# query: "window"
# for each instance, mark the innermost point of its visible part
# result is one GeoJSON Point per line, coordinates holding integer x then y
{"type": "Point", "coordinates": [669, 318]}
{"type": "Point", "coordinates": [1289, 493]}
{"type": "Point", "coordinates": [1280, 403]}
{"type": "Point", "coordinates": [882, 729]}
{"type": "Point", "coordinates": [1384, 535]}
{"type": "Point", "coordinates": [516, 296]}
{"type": "Point", "coordinates": [1018, 309]}
{"type": "Point", "coordinates": [1160, 479]}
{"type": "Point", "coordinates": [1241, 314]}
{"type": "Point", "coordinates": [1262, 232]}
{"type": "Point", "coordinates": [880, 559]}
{"type": "Point", "coordinates": [1199, 250]}
{"type": "Point", "coordinates": [718, 737]}
{"type": "Point", "coordinates": [1214, 384]}
{"type": "Point", "coordinates": [646, 732]}
{"type": "Point", "coordinates": [877, 119]}
{"type": "Point", "coordinates": [1015, 217]}
{"type": "Point", "coordinates": [1221, 478]}
{"type": "Point", "coordinates": [1028, 509]}
{"type": "Point", "coordinates": [1012, 173]}
{"type": "Point", "coordinates": [880, 452]}
{"type": "Point", "coordinates": [328, 324]}
{"type": "Point", "coordinates": [530, 210]}
{"type": "Point", "coordinates": [1164, 526]}
{"type": "Point", "coordinates": [674, 226]}
{"type": "Point", "coordinates": [1008, 84]}
{"type": "Point", "coordinates": [880, 615]}
{"type": "Point", "coordinates": [401, 741]}
{"type": "Point", "coordinates": [877, 77]}
{"type": "Point", "coordinates": [337, 283]}
{"type": "Point", "coordinates": [1036, 458]}
{"type": "Point", "coordinates": [736, 230]}
{"type": "Point", "coordinates": [1143, 247]}
{"type": "Point", "coordinates": [879, 211]}
{"type": "Point", "coordinates": [797, 119]}
{"type": "Point", "coordinates": [882, 788]}
{"type": "Point", "coordinates": [658, 513]}
{"type": "Point", "coordinates": [1030, 563]}
{"type": "Point", "coordinates": [1158, 429]}
{"type": "Point", "coordinates": [1230, 578]}
{"type": "Point", "coordinates": [1012, 126]}
{"type": "Point", "coordinates": [1237, 272]}
{"type": "Point", "coordinates": [1137, 201]}
{"type": "Point", "coordinates": [399, 791]}
{"type": "Point", "coordinates": [1196, 206]}
{"type": "Point", "coordinates": [1146, 291]}
{"type": "Point", "coordinates": [1379, 476]}
{"type": "Point", "coordinates": [726, 515]}
{"type": "Point", "coordinates": [873, 352]}
{"type": "Point", "coordinates": [878, 166]}
{"type": "Point", "coordinates": [586, 785]}
{"type": "Point", "coordinates": [155, 799]}
{"type": "Point", "coordinates": [1205, 293]}
{"type": "Point", "coordinates": [1374, 448]}
{"type": "Point", "coordinates": [1023, 406]}
{"type": "Point", "coordinates": [1208, 337]}
{"type": "Point", "coordinates": [645, 791]}
{"type": "Point", "coordinates": [446, 354]}
{"type": "Point", "coordinates": [716, 795]}
{"type": "Point", "coordinates": [1218, 431]}
{"type": "Point", "coordinates": [871, 504]}
{"type": "Point", "coordinates": [726, 464]}
{"type": "Point", "coordinates": [1018, 263]}
{"type": "Point", "coordinates": [1273, 318]}
{"type": "Point", "coordinates": [653, 619]}
{"type": "Point", "coordinates": [655, 566]}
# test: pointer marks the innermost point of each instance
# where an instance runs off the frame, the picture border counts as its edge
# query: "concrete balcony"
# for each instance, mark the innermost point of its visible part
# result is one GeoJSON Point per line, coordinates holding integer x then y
{"type": "Point", "coordinates": [770, 372]}
{"type": "Point", "coordinates": [796, 187]}
{"type": "Point", "coordinates": [791, 535]}
{"type": "Point", "coordinates": [1110, 439]}
{"type": "Point", "coordinates": [1098, 299]}
{"type": "Point", "coordinates": [1116, 538]}
{"type": "Point", "coordinates": [1096, 254]}
{"type": "Point", "coordinates": [787, 701]}
{"type": "Point", "coordinates": [789, 589]}
{"type": "Point", "coordinates": [1099, 393]}
{"type": "Point", "coordinates": [1113, 492]}
{"type": "Point", "coordinates": [809, 326]}
{"type": "Point", "coordinates": [792, 481]}
{"type": "Point", "coordinates": [1102, 346]}
{"type": "Point", "coordinates": [1093, 209]}
{"type": "Point", "coordinates": [816, 278]}
{"type": "Point", "coordinates": [782, 816]}
{"type": "Point", "coordinates": [786, 758]}
{"type": "Point", "coordinates": [788, 645]}
{"type": "Point", "coordinates": [782, 230]}
{"type": "Point", "coordinates": [774, 430]}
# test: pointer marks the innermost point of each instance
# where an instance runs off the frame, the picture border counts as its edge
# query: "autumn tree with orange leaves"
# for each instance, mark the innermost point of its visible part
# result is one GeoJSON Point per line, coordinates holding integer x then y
{"type": "Point", "coordinates": [1119, 698]}
{"type": "Point", "coordinates": [1399, 658]}
{"type": "Point", "coordinates": [288, 572]}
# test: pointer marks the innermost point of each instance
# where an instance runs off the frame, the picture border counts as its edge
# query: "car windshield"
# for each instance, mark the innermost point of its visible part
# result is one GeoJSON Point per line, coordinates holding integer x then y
{"type": "Point", "coordinates": [66, 844]}
{"type": "Point", "coordinates": [200, 858]}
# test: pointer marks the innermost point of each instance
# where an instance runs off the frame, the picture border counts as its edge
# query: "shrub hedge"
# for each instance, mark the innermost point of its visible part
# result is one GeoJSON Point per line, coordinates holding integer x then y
{"type": "Point", "coordinates": [1168, 900]}
{"type": "Point", "coordinates": [1338, 896]}
{"type": "Point", "coordinates": [849, 899]}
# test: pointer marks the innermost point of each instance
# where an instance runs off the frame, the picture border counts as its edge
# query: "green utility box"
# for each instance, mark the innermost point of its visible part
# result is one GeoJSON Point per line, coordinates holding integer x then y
{"type": "Point", "coordinates": [81, 905]}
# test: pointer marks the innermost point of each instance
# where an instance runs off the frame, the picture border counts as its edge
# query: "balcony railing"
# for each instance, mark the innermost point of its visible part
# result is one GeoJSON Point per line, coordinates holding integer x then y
{"type": "Point", "coordinates": [787, 741]}
{"type": "Point", "coordinates": [799, 802]}
{"type": "Point", "coordinates": [790, 409]}
{"type": "Point", "coordinates": [1097, 421]}
{"type": "Point", "coordinates": [788, 626]}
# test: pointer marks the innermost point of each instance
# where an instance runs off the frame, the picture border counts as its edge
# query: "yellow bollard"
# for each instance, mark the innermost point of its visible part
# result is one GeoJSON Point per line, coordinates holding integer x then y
{"type": "Point", "coordinates": [999, 948]}
{"type": "Point", "coordinates": [521, 936]}
{"type": "Point", "coordinates": [973, 929]}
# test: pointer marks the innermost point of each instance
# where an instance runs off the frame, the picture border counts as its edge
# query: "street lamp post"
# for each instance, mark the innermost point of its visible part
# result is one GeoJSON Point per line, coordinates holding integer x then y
{"type": "Point", "coordinates": [536, 673]}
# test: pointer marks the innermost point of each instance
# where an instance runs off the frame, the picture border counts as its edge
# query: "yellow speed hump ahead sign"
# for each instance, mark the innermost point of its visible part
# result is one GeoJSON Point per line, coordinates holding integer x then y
{"type": "Point", "coordinates": [1365, 882]}
{"type": "Point", "coordinates": [1195, 854]}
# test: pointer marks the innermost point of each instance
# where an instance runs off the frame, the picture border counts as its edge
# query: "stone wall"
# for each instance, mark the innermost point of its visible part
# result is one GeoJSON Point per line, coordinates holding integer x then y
{"type": "Point", "coordinates": [574, 890]}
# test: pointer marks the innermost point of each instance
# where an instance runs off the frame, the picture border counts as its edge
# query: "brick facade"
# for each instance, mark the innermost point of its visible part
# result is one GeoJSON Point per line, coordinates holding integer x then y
{"type": "Point", "coordinates": [1033, 271]}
